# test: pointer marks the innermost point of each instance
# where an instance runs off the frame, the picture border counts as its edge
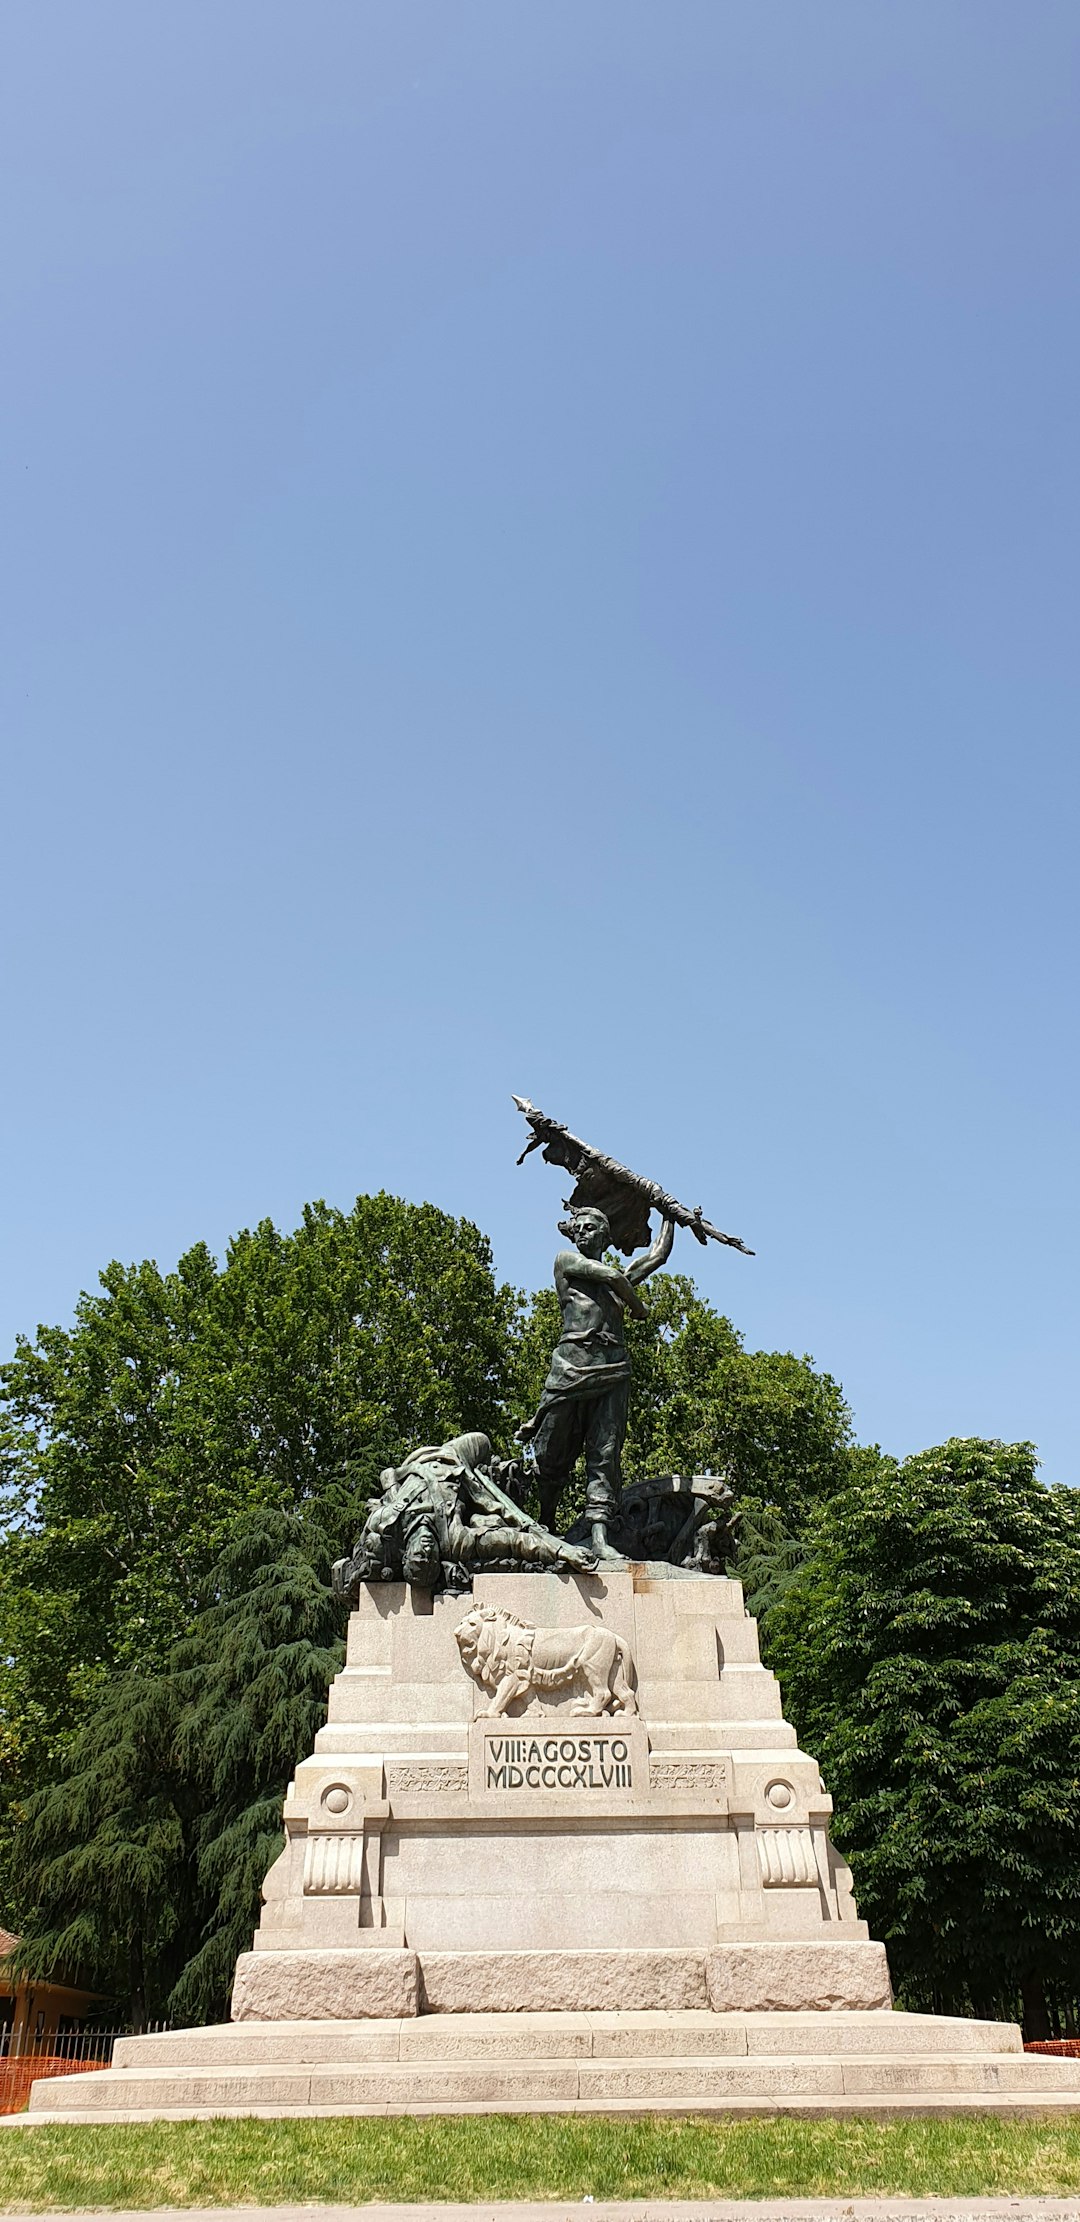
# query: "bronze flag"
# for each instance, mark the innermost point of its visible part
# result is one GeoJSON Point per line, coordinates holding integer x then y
{"type": "Point", "coordinates": [625, 1198]}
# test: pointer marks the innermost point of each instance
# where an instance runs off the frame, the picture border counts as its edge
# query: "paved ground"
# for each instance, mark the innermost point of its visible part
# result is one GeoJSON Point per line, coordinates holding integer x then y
{"type": "Point", "coordinates": [625, 2210]}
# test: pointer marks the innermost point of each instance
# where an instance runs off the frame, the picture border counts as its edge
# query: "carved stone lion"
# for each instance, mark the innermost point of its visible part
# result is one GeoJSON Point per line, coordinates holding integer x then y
{"type": "Point", "coordinates": [508, 1657]}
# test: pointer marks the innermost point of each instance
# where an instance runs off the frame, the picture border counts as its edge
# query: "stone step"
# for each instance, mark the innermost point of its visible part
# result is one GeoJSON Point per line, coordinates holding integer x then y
{"type": "Point", "coordinates": [608, 2035]}
{"type": "Point", "coordinates": [398, 2086]}
{"type": "Point", "coordinates": [870, 2062]}
{"type": "Point", "coordinates": [1019, 2106]}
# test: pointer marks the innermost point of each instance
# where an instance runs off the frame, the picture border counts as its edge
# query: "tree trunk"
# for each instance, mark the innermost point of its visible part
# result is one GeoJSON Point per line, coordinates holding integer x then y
{"type": "Point", "coordinates": [138, 1985]}
{"type": "Point", "coordinates": [1036, 2017]}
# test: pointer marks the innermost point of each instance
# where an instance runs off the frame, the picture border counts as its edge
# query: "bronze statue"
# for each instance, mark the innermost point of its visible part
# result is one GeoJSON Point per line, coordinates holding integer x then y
{"type": "Point", "coordinates": [687, 1521]}
{"type": "Point", "coordinates": [451, 1508]}
{"type": "Point", "coordinates": [442, 1515]}
{"type": "Point", "coordinates": [625, 1198]}
{"type": "Point", "coordinates": [586, 1394]}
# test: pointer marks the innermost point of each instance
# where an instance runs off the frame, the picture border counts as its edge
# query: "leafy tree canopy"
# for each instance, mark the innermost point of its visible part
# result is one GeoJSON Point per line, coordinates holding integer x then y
{"type": "Point", "coordinates": [929, 1651]}
{"type": "Point", "coordinates": [179, 1401]}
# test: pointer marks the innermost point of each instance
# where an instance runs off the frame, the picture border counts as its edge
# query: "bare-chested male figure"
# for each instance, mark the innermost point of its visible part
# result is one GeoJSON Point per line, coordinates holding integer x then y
{"type": "Point", "coordinates": [586, 1394]}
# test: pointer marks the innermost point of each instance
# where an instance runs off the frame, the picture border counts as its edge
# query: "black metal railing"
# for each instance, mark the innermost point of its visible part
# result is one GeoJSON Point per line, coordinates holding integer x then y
{"type": "Point", "coordinates": [92, 2047]}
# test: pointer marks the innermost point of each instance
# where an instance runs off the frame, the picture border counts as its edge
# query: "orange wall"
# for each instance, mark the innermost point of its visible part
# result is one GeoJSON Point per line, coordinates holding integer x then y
{"type": "Point", "coordinates": [52, 2000]}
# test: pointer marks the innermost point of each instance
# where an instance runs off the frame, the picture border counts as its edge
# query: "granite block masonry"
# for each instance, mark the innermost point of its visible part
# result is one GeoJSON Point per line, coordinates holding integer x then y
{"type": "Point", "coordinates": [566, 1789]}
{"type": "Point", "coordinates": [615, 1890]}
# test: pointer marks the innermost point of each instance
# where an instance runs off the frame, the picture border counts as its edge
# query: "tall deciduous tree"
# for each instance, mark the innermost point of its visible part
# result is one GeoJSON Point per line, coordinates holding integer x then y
{"type": "Point", "coordinates": [929, 1651]}
{"type": "Point", "coordinates": [179, 1401]}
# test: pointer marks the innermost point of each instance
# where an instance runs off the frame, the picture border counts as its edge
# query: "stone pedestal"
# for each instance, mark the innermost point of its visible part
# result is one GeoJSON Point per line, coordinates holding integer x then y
{"type": "Point", "coordinates": [558, 1910]}
{"type": "Point", "coordinates": [440, 1860]}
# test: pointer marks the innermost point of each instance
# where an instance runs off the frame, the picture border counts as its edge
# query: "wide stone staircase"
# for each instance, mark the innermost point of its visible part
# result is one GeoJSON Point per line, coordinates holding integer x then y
{"type": "Point", "coordinates": [870, 2063]}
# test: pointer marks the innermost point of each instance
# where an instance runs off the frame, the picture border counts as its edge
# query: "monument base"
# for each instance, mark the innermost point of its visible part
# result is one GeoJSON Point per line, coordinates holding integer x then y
{"type": "Point", "coordinates": [767, 1976]}
{"type": "Point", "coordinates": [869, 2063]}
{"type": "Point", "coordinates": [559, 1765]}
{"type": "Point", "coordinates": [558, 1849]}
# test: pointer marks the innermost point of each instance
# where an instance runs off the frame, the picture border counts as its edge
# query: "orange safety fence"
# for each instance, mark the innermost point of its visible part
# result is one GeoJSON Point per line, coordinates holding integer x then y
{"type": "Point", "coordinates": [1069, 2047]}
{"type": "Point", "coordinates": [16, 2076]}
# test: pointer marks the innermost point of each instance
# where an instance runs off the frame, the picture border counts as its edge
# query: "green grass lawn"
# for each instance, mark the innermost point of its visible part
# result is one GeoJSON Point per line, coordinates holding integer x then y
{"type": "Point", "coordinates": [522, 2156]}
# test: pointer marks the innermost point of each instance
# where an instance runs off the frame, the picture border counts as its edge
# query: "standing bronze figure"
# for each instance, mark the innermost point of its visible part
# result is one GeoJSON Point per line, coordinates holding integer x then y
{"type": "Point", "coordinates": [587, 1391]}
{"type": "Point", "coordinates": [451, 1510]}
{"type": "Point", "coordinates": [586, 1394]}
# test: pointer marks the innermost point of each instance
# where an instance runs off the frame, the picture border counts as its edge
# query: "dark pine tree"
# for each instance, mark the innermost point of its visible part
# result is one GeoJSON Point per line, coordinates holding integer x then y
{"type": "Point", "coordinates": [103, 1858]}
{"type": "Point", "coordinates": [250, 1686]}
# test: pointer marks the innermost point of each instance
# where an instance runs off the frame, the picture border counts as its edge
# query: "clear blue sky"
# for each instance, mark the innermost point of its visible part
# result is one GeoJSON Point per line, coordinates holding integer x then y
{"type": "Point", "coordinates": [540, 553]}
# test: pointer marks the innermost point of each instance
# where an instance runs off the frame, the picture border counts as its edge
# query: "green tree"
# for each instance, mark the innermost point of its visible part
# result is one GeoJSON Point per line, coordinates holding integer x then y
{"type": "Point", "coordinates": [101, 1860]}
{"type": "Point", "coordinates": [929, 1651]}
{"type": "Point", "coordinates": [249, 1695]}
{"type": "Point", "coordinates": [140, 1865]}
{"type": "Point", "coordinates": [178, 1401]}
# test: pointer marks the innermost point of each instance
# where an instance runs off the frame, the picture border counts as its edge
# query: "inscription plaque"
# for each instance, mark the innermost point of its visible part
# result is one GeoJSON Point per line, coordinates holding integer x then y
{"type": "Point", "coordinates": [546, 1764]}
{"type": "Point", "coordinates": [558, 1763]}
